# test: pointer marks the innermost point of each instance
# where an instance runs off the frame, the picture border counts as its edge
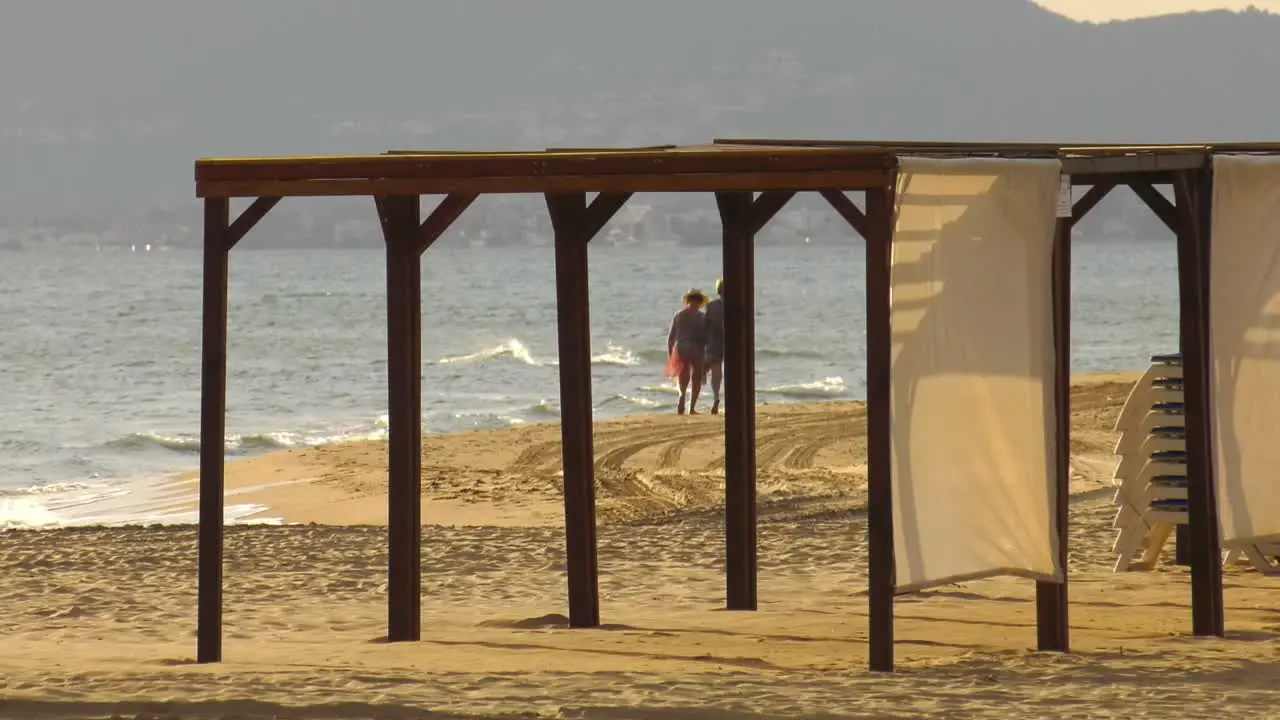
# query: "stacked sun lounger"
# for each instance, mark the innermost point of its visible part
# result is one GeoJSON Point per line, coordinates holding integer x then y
{"type": "Point", "coordinates": [1151, 474]}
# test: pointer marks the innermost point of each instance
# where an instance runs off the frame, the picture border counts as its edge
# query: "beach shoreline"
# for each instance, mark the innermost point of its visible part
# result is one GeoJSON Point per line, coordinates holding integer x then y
{"type": "Point", "coordinates": [811, 458]}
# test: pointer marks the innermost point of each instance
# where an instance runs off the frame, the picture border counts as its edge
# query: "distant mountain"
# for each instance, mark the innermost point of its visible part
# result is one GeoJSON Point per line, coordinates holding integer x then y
{"type": "Point", "coordinates": [103, 106]}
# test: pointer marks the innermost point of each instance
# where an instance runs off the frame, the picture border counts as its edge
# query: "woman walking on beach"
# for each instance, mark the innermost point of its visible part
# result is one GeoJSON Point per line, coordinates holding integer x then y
{"type": "Point", "coordinates": [686, 347]}
{"type": "Point", "coordinates": [715, 343]}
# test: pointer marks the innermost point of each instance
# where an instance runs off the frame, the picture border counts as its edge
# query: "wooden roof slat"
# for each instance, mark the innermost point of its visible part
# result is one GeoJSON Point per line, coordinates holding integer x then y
{"type": "Point", "coordinates": [974, 147]}
{"type": "Point", "coordinates": [649, 182]}
{"type": "Point", "coordinates": [726, 164]}
{"type": "Point", "coordinates": [542, 164]}
{"type": "Point", "coordinates": [1133, 163]}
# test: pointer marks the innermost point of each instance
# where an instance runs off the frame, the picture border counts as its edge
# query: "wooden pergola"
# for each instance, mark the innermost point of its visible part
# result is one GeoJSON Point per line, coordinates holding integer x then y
{"type": "Point", "coordinates": [752, 180]}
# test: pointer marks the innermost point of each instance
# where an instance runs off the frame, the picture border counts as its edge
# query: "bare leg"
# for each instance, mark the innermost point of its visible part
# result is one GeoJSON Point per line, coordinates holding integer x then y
{"type": "Point", "coordinates": [699, 373]}
{"type": "Point", "coordinates": [685, 374]}
{"type": "Point", "coordinates": [717, 376]}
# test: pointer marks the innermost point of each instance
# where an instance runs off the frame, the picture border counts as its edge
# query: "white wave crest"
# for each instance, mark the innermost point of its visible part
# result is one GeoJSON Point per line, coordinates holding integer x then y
{"type": "Point", "coordinates": [511, 348]}
{"type": "Point", "coordinates": [825, 388]}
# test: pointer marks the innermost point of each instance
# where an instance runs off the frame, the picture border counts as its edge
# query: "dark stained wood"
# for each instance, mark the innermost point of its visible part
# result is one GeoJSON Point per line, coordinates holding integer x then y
{"type": "Point", "coordinates": [251, 216]}
{"type": "Point", "coordinates": [431, 185]}
{"type": "Point", "coordinates": [213, 419]}
{"type": "Point", "coordinates": [1193, 194]}
{"type": "Point", "coordinates": [766, 206]}
{"type": "Point", "coordinates": [601, 210]}
{"type": "Point", "coordinates": [1155, 177]}
{"type": "Point", "coordinates": [544, 165]}
{"type": "Point", "coordinates": [1152, 160]}
{"type": "Point", "coordinates": [444, 216]}
{"type": "Point", "coordinates": [847, 210]}
{"type": "Point", "coordinates": [901, 147]}
{"type": "Point", "coordinates": [1090, 200]}
{"type": "Point", "coordinates": [399, 216]}
{"type": "Point", "coordinates": [965, 147]}
{"type": "Point", "coordinates": [1090, 160]}
{"type": "Point", "coordinates": [1159, 204]}
{"type": "Point", "coordinates": [727, 165]}
{"type": "Point", "coordinates": [1052, 622]}
{"type": "Point", "coordinates": [1210, 559]}
{"type": "Point", "coordinates": [1182, 546]}
{"type": "Point", "coordinates": [600, 149]}
{"type": "Point", "coordinates": [739, 399]}
{"type": "Point", "coordinates": [380, 204]}
{"type": "Point", "coordinates": [880, 548]}
{"type": "Point", "coordinates": [569, 218]}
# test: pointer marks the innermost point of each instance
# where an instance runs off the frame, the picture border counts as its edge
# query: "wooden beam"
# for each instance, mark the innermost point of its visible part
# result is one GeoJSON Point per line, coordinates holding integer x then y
{"type": "Point", "coordinates": [879, 241]}
{"type": "Point", "coordinates": [1158, 203]}
{"type": "Point", "coordinates": [569, 219]}
{"type": "Point", "coordinates": [766, 206]}
{"type": "Point", "coordinates": [1053, 629]}
{"type": "Point", "coordinates": [1123, 148]}
{"type": "Point", "coordinates": [896, 146]}
{"type": "Point", "coordinates": [847, 210]}
{"type": "Point", "coordinates": [1089, 201]}
{"type": "Point", "coordinates": [399, 216]}
{"type": "Point", "coordinates": [1149, 161]}
{"type": "Point", "coordinates": [543, 165]}
{"type": "Point", "coordinates": [736, 217]}
{"type": "Point", "coordinates": [213, 422]}
{"type": "Point", "coordinates": [799, 181]}
{"type": "Point", "coordinates": [1150, 178]}
{"type": "Point", "coordinates": [995, 147]}
{"type": "Point", "coordinates": [1193, 195]}
{"type": "Point", "coordinates": [257, 210]}
{"type": "Point", "coordinates": [601, 210]}
{"type": "Point", "coordinates": [444, 216]}
{"type": "Point", "coordinates": [380, 203]}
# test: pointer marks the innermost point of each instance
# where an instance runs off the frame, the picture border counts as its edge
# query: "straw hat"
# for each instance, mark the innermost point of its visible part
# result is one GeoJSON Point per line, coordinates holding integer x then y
{"type": "Point", "coordinates": [695, 295]}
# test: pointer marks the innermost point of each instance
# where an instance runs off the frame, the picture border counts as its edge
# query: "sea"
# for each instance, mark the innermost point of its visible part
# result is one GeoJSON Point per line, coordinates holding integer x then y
{"type": "Point", "coordinates": [100, 351]}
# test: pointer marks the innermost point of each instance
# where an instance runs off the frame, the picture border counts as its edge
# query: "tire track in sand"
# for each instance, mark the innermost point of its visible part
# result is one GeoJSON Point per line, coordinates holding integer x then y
{"type": "Point", "coordinates": [613, 457]}
{"type": "Point", "coordinates": [834, 431]}
{"type": "Point", "coordinates": [537, 456]}
{"type": "Point", "coordinates": [776, 440]}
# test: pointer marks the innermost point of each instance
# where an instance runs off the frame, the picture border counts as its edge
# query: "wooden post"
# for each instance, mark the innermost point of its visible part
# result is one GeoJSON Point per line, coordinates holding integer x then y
{"type": "Point", "coordinates": [401, 230]}
{"type": "Point", "coordinates": [213, 419]}
{"type": "Point", "coordinates": [1052, 625]}
{"type": "Point", "coordinates": [1193, 197]}
{"type": "Point", "coordinates": [736, 217]}
{"type": "Point", "coordinates": [569, 221]}
{"type": "Point", "coordinates": [1182, 546]}
{"type": "Point", "coordinates": [879, 241]}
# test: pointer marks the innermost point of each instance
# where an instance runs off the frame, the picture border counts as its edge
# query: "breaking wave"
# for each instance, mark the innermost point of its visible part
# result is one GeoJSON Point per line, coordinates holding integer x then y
{"type": "Point", "coordinates": [826, 388]}
{"type": "Point", "coordinates": [514, 349]}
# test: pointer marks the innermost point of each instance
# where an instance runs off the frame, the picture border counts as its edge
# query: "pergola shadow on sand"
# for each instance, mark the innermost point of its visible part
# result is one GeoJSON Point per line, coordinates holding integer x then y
{"type": "Point", "coordinates": [752, 180]}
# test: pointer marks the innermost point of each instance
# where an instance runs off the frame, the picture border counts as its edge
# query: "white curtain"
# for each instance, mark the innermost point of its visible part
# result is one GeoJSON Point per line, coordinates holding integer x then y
{"type": "Point", "coordinates": [1244, 316]}
{"type": "Point", "coordinates": [973, 422]}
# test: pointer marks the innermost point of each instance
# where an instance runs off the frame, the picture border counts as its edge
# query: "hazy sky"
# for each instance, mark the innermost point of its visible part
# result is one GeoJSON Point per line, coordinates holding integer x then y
{"type": "Point", "coordinates": [1102, 10]}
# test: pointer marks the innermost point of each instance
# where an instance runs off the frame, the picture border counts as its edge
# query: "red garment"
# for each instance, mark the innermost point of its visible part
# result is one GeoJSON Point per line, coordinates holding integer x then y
{"type": "Point", "coordinates": [675, 364]}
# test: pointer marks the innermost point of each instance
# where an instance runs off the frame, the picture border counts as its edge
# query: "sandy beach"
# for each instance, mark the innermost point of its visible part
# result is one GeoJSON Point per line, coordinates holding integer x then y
{"type": "Point", "coordinates": [100, 622]}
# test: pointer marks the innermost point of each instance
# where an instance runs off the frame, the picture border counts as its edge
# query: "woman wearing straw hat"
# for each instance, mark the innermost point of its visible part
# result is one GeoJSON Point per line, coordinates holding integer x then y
{"type": "Point", "coordinates": [686, 346]}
